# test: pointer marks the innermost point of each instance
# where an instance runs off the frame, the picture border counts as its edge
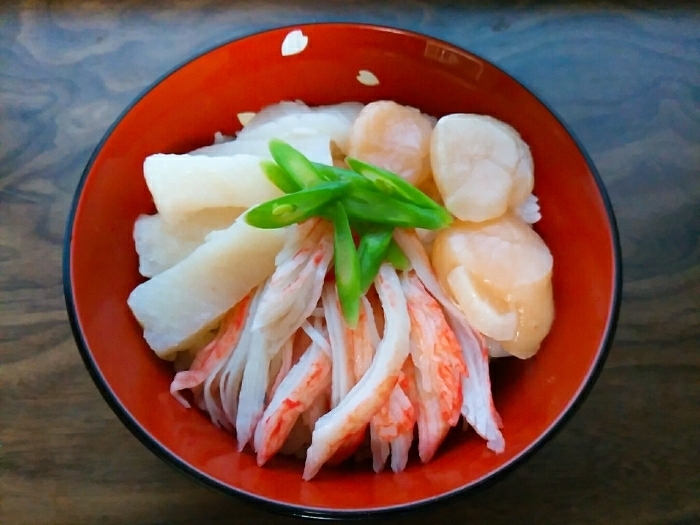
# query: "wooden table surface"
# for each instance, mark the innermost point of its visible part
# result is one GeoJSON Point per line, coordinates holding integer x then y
{"type": "Point", "coordinates": [626, 80]}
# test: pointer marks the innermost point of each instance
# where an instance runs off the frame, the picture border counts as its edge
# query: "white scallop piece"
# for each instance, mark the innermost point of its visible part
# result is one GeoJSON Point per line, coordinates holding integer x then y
{"type": "Point", "coordinates": [245, 117]}
{"type": "Point", "coordinates": [529, 211]}
{"type": "Point", "coordinates": [294, 43]}
{"type": "Point", "coordinates": [367, 78]}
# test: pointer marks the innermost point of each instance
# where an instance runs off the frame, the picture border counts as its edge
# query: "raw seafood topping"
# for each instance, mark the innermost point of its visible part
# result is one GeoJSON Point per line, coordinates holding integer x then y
{"type": "Point", "coordinates": [332, 281]}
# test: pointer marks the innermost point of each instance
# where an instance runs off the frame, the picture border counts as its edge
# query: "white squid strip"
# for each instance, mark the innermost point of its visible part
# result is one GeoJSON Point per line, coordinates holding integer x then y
{"type": "Point", "coordinates": [477, 405]}
{"type": "Point", "coordinates": [374, 388]}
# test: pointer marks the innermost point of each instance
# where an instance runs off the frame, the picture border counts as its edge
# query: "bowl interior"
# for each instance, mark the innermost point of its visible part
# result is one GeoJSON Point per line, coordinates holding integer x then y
{"type": "Point", "coordinates": [184, 110]}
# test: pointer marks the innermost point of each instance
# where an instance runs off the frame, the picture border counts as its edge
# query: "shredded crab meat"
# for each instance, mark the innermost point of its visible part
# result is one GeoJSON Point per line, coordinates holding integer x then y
{"type": "Point", "coordinates": [424, 369]}
{"type": "Point", "coordinates": [285, 365]}
{"type": "Point", "coordinates": [439, 366]}
{"type": "Point", "coordinates": [318, 312]}
{"type": "Point", "coordinates": [341, 352]}
{"type": "Point", "coordinates": [400, 447]}
{"type": "Point", "coordinates": [375, 386]}
{"type": "Point", "coordinates": [305, 382]}
{"type": "Point", "coordinates": [495, 348]}
{"type": "Point", "coordinates": [214, 353]}
{"type": "Point", "coordinates": [210, 400]}
{"type": "Point", "coordinates": [293, 290]}
{"type": "Point", "coordinates": [289, 297]}
{"type": "Point", "coordinates": [316, 334]}
{"type": "Point", "coordinates": [394, 423]}
{"type": "Point", "coordinates": [363, 340]}
{"type": "Point", "coordinates": [251, 398]}
{"type": "Point", "coordinates": [231, 374]}
{"type": "Point", "coordinates": [477, 405]}
{"type": "Point", "coordinates": [396, 416]}
{"type": "Point", "coordinates": [318, 407]}
{"type": "Point", "coordinates": [319, 335]}
{"type": "Point", "coordinates": [283, 371]}
{"type": "Point", "coordinates": [343, 376]}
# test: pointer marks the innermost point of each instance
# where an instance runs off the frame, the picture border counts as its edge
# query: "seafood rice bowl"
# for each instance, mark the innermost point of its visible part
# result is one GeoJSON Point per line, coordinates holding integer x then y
{"type": "Point", "coordinates": [341, 294]}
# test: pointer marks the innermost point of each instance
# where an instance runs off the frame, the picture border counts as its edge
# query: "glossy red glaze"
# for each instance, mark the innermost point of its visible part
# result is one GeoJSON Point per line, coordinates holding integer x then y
{"type": "Point", "coordinates": [185, 109]}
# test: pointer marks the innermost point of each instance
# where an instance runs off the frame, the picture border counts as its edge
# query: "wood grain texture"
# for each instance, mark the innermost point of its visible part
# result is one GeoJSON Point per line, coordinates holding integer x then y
{"type": "Point", "coordinates": [625, 78]}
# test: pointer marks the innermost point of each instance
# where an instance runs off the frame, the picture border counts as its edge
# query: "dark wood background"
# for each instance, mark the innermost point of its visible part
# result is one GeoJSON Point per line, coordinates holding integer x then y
{"type": "Point", "coordinates": [625, 78]}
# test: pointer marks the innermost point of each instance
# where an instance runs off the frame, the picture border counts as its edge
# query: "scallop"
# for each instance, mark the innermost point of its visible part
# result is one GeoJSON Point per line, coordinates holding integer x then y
{"type": "Point", "coordinates": [500, 274]}
{"type": "Point", "coordinates": [393, 137]}
{"type": "Point", "coordinates": [481, 166]}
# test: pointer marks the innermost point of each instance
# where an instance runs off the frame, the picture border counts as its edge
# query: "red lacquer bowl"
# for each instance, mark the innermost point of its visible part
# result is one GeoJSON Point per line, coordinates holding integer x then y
{"type": "Point", "coordinates": [184, 109]}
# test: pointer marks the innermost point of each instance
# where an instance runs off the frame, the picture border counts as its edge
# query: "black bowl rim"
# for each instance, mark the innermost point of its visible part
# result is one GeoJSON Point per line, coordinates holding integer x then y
{"type": "Point", "coordinates": [322, 513]}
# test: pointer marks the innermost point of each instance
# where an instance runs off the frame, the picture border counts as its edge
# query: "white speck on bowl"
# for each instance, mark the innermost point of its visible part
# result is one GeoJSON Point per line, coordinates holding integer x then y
{"type": "Point", "coordinates": [294, 43]}
{"type": "Point", "coordinates": [367, 78]}
{"type": "Point", "coordinates": [245, 117]}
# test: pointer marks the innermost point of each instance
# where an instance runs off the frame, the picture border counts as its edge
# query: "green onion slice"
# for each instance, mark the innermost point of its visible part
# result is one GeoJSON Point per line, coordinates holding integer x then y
{"type": "Point", "coordinates": [295, 207]}
{"type": "Point", "coordinates": [279, 177]}
{"type": "Point", "coordinates": [371, 252]}
{"type": "Point", "coordinates": [347, 267]}
{"type": "Point", "coordinates": [391, 184]}
{"type": "Point", "coordinates": [365, 205]}
{"type": "Point", "coordinates": [394, 254]}
{"type": "Point", "coordinates": [294, 163]}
